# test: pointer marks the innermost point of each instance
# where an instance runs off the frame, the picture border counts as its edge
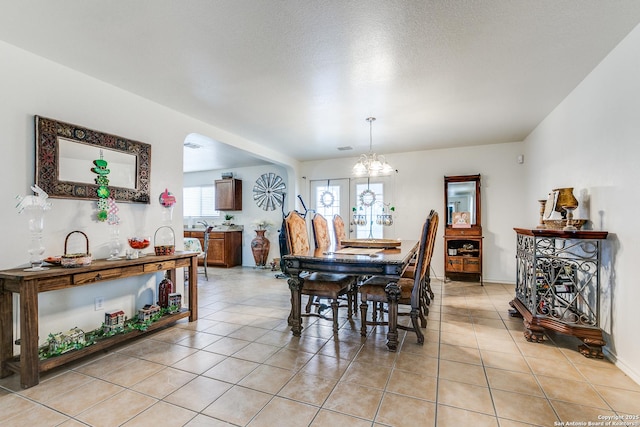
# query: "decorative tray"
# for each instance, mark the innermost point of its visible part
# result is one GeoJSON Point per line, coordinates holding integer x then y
{"type": "Point", "coordinates": [371, 243]}
{"type": "Point", "coordinates": [55, 260]}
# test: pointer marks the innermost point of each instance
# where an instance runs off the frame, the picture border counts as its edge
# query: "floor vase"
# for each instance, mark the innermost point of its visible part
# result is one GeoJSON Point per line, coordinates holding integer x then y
{"type": "Point", "coordinates": [260, 247]}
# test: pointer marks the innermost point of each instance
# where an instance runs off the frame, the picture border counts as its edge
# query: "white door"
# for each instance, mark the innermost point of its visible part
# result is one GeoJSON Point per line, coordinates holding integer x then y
{"type": "Point", "coordinates": [373, 216]}
{"type": "Point", "coordinates": [331, 197]}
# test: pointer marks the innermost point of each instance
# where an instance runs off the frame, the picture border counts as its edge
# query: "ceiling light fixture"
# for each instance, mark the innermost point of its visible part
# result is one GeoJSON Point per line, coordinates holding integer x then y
{"type": "Point", "coordinates": [371, 164]}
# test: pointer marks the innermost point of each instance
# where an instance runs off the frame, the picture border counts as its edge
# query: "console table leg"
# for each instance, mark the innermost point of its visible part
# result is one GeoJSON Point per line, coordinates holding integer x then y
{"type": "Point", "coordinates": [29, 361]}
{"type": "Point", "coordinates": [592, 348]}
{"type": "Point", "coordinates": [533, 333]}
{"type": "Point", "coordinates": [6, 331]}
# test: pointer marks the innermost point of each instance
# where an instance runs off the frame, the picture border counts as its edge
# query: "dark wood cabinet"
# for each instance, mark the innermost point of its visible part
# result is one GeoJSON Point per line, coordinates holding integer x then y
{"type": "Point", "coordinates": [225, 247]}
{"type": "Point", "coordinates": [228, 194]}
{"type": "Point", "coordinates": [463, 228]}
{"type": "Point", "coordinates": [558, 285]}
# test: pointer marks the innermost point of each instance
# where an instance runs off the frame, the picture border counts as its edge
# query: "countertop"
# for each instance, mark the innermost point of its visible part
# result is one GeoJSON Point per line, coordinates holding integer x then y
{"type": "Point", "coordinates": [218, 228]}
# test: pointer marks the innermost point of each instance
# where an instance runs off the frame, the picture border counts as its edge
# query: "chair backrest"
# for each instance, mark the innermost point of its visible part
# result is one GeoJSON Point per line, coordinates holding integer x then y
{"type": "Point", "coordinates": [321, 231]}
{"type": "Point", "coordinates": [431, 241]}
{"type": "Point", "coordinates": [425, 252]}
{"type": "Point", "coordinates": [205, 246]}
{"type": "Point", "coordinates": [338, 229]}
{"type": "Point", "coordinates": [297, 236]}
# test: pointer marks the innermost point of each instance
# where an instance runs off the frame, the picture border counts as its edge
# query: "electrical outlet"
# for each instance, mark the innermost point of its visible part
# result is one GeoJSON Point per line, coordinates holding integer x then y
{"type": "Point", "coordinates": [99, 301]}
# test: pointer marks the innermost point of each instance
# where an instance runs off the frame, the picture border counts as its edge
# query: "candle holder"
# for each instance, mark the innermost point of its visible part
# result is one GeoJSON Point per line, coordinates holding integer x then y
{"type": "Point", "coordinates": [569, 226]}
{"type": "Point", "coordinates": [543, 205]}
{"type": "Point", "coordinates": [34, 207]}
{"type": "Point", "coordinates": [35, 214]}
{"type": "Point", "coordinates": [360, 219]}
{"type": "Point", "coordinates": [114, 243]}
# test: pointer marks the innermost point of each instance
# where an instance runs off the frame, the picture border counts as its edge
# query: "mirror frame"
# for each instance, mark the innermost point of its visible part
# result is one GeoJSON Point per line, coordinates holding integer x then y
{"type": "Point", "coordinates": [478, 202]}
{"type": "Point", "coordinates": [48, 163]}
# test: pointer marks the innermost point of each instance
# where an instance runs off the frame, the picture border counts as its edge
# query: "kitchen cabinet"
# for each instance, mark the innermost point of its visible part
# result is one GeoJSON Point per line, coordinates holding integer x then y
{"type": "Point", "coordinates": [228, 194]}
{"type": "Point", "coordinates": [225, 247]}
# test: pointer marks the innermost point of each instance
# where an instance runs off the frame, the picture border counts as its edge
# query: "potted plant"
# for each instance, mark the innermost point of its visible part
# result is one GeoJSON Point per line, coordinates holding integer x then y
{"type": "Point", "coordinates": [227, 219]}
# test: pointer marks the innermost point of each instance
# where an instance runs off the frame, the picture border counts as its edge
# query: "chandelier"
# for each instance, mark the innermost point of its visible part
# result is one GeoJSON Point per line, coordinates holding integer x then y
{"type": "Point", "coordinates": [371, 164]}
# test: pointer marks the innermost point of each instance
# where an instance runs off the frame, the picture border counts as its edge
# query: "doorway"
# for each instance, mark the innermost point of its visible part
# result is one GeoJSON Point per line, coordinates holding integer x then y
{"type": "Point", "coordinates": [330, 197]}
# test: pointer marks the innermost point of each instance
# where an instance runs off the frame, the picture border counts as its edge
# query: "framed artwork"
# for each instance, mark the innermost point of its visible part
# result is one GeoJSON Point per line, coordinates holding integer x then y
{"type": "Point", "coordinates": [461, 220]}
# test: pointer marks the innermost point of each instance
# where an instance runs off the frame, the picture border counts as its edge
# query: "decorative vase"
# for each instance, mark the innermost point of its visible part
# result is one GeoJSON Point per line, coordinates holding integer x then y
{"type": "Point", "coordinates": [165, 287]}
{"type": "Point", "coordinates": [260, 247]}
{"type": "Point", "coordinates": [35, 213]}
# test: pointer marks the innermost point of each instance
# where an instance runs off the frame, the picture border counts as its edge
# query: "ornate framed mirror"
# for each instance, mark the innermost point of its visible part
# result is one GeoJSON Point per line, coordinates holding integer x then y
{"type": "Point", "coordinates": [462, 200]}
{"type": "Point", "coordinates": [64, 161]}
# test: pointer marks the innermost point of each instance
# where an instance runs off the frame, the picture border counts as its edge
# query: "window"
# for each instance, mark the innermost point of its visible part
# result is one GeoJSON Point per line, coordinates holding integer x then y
{"type": "Point", "coordinates": [199, 201]}
{"type": "Point", "coordinates": [369, 204]}
{"type": "Point", "coordinates": [328, 204]}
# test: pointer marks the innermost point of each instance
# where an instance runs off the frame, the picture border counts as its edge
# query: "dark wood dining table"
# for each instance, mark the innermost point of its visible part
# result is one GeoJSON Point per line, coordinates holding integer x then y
{"type": "Point", "coordinates": [384, 262]}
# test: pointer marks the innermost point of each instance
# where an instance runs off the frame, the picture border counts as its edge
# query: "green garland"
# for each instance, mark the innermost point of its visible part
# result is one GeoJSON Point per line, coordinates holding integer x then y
{"type": "Point", "coordinates": [96, 335]}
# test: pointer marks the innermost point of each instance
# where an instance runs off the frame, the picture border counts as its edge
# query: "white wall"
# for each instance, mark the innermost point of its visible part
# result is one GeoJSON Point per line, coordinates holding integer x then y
{"type": "Point", "coordinates": [591, 142]}
{"type": "Point", "coordinates": [250, 211]}
{"type": "Point", "coordinates": [419, 187]}
{"type": "Point", "coordinates": [31, 85]}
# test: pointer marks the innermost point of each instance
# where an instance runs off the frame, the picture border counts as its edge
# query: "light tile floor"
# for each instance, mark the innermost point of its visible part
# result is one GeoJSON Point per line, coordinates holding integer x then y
{"type": "Point", "coordinates": [239, 365]}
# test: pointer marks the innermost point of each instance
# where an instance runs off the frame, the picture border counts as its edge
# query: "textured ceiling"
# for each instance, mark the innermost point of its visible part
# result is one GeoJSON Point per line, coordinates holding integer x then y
{"type": "Point", "coordinates": [301, 76]}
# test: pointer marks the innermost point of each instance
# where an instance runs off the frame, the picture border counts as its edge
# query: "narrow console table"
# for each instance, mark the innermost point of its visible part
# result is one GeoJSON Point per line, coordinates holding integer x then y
{"type": "Point", "coordinates": [558, 285]}
{"type": "Point", "coordinates": [29, 284]}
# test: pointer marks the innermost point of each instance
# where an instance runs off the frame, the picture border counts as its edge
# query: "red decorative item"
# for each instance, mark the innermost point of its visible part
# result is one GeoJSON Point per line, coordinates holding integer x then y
{"type": "Point", "coordinates": [164, 289]}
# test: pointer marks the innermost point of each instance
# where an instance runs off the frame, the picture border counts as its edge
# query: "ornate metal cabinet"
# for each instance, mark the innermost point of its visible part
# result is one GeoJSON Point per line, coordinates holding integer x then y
{"type": "Point", "coordinates": [558, 285]}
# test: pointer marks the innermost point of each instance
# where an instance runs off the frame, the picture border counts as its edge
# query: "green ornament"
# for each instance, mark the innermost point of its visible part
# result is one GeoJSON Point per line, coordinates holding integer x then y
{"type": "Point", "coordinates": [102, 215]}
{"type": "Point", "coordinates": [103, 192]}
{"type": "Point", "coordinates": [102, 180]}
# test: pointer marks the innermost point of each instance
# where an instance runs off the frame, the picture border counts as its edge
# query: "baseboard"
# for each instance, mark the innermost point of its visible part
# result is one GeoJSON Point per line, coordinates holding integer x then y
{"type": "Point", "coordinates": [630, 372]}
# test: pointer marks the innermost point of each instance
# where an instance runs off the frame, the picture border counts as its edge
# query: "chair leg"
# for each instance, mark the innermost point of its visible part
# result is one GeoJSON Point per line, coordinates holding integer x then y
{"type": "Point", "coordinates": [429, 291]}
{"type": "Point", "coordinates": [363, 316]}
{"type": "Point", "coordinates": [307, 308]}
{"type": "Point", "coordinates": [334, 309]}
{"type": "Point", "coordinates": [206, 271]}
{"type": "Point", "coordinates": [416, 328]}
{"type": "Point", "coordinates": [349, 304]}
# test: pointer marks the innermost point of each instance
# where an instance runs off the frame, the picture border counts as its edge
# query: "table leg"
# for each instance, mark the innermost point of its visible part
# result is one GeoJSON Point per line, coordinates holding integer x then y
{"type": "Point", "coordinates": [295, 317]}
{"type": "Point", "coordinates": [6, 331]}
{"type": "Point", "coordinates": [29, 361]}
{"type": "Point", "coordinates": [393, 294]}
{"type": "Point", "coordinates": [193, 289]}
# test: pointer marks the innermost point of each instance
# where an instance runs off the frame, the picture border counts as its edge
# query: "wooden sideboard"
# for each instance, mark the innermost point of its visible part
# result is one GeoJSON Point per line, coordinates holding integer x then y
{"type": "Point", "coordinates": [28, 284]}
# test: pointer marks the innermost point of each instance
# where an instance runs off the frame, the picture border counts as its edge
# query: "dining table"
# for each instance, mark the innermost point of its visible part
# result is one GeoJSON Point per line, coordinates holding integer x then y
{"type": "Point", "coordinates": [362, 258]}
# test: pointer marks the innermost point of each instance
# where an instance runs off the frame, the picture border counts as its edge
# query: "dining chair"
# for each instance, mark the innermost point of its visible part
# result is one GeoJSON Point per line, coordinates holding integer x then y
{"type": "Point", "coordinates": [321, 285]}
{"type": "Point", "coordinates": [320, 232]}
{"type": "Point", "coordinates": [373, 289]}
{"type": "Point", "coordinates": [193, 244]}
{"type": "Point", "coordinates": [339, 231]}
{"type": "Point", "coordinates": [426, 294]}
